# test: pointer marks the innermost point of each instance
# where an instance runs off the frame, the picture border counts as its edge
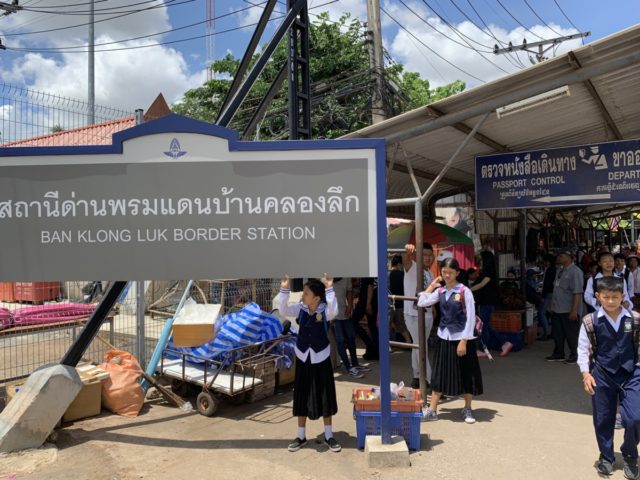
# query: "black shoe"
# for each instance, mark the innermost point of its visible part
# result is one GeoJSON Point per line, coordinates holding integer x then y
{"type": "Point", "coordinates": [543, 338]}
{"type": "Point", "coordinates": [554, 358]}
{"type": "Point", "coordinates": [371, 356]}
{"type": "Point", "coordinates": [333, 444]}
{"type": "Point", "coordinates": [630, 468]}
{"type": "Point", "coordinates": [415, 383]}
{"type": "Point", "coordinates": [297, 444]}
{"type": "Point", "coordinates": [604, 466]}
{"type": "Point", "coordinates": [571, 361]}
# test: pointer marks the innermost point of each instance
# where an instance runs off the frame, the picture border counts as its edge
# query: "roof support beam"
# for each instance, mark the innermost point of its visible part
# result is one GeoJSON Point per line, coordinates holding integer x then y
{"type": "Point", "coordinates": [462, 127]}
{"type": "Point", "coordinates": [575, 63]}
{"type": "Point", "coordinates": [491, 104]}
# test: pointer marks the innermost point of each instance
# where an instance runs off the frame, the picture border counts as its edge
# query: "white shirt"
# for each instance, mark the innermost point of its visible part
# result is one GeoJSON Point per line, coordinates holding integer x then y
{"type": "Point", "coordinates": [410, 289]}
{"type": "Point", "coordinates": [634, 282]}
{"type": "Point", "coordinates": [590, 296]}
{"type": "Point", "coordinates": [293, 310]}
{"type": "Point", "coordinates": [584, 345]}
{"type": "Point", "coordinates": [428, 299]}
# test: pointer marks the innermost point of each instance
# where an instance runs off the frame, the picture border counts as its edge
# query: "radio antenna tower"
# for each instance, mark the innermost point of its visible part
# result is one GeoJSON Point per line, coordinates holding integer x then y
{"type": "Point", "coordinates": [210, 38]}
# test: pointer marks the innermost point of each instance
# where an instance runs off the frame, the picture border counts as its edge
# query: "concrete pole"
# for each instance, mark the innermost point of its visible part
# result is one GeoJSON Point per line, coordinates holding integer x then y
{"type": "Point", "coordinates": [376, 58]}
{"type": "Point", "coordinates": [91, 67]}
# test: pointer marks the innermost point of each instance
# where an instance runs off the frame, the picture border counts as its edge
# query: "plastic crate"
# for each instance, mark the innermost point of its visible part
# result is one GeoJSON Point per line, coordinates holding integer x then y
{"type": "Point", "coordinates": [506, 320]}
{"type": "Point", "coordinates": [396, 405]}
{"type": "Point", "coordinates": [405, 424]}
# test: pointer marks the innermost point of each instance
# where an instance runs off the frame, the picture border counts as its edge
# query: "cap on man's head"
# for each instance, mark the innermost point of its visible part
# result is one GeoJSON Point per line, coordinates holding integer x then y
{"type": "Point", "coordinates": [443, 255]}
{"type": "Point", "coordinates": [566, 251]}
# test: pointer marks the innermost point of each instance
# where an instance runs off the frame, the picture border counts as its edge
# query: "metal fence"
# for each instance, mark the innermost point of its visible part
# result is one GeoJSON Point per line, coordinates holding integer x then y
{"type": "Point", "coordinates": [42, 319]}
{"type": "Point", "coordinates": [30, 114]}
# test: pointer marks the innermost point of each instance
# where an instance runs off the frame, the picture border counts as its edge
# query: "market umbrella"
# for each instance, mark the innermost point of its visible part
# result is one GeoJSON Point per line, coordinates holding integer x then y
{"type": "Point", "coordinates": [434, 233]}
{"type": "Point", "coordinates": [441, 236]}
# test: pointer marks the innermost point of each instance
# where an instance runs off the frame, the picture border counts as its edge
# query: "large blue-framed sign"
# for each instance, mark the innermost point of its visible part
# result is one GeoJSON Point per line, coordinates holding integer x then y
{"type": "Point", "coordinates": [178, 198]}
{"type": "Point", "coordinates": [580, 175]}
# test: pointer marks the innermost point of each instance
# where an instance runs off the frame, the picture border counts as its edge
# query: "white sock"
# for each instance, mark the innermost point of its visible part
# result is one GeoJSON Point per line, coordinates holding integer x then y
{"type": "Point", "coordinates": [301, 433]}
{"type": "Point", "coordinates": [328, 432]}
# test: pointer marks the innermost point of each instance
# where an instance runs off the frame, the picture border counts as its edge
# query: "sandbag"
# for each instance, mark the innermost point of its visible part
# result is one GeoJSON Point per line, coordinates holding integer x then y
{"type": "Point", "coordinates": [121, 392]}
{"type": "Point", "coordinates": [6, 319]}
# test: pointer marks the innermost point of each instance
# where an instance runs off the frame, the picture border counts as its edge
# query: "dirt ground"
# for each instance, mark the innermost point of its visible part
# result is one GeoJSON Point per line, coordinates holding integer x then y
{"type": "Point", "coordinates": [533, 423]}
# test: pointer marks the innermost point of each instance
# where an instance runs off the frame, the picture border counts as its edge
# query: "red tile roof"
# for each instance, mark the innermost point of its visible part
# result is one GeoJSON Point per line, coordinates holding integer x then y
{"type": "Point", "coordinates": [97, 134]}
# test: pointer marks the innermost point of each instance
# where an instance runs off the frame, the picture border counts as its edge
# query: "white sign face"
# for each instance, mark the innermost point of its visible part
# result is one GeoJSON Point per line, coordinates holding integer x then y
{"type": "Point", "coordinates": [176, 198]}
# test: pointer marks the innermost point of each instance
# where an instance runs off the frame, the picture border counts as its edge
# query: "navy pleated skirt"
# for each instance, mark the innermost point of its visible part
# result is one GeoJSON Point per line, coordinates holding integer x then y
{"type": "Point", "coordinates": [314, 390]}
{"type": "Point", "coordinates": [453, 375]}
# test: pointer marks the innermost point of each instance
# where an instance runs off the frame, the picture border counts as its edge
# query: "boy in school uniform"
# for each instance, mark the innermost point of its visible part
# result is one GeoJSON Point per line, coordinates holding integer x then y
{"type": "Point", "coordinates": [608, 360]}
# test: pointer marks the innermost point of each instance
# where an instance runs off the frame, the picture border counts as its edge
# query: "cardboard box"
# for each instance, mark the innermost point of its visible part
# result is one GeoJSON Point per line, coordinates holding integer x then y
{"type": "Point", "coordinates": [88, 403]}
{"type": "Point", "coordinates": [195, 325]}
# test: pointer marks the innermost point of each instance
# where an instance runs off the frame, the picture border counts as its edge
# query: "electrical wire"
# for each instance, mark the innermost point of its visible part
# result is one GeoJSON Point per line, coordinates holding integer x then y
{"type": "Point", "coordinates": [468, 45]}
{"type": "Point", "coordinates": [541, 19]}
{"type": "Point", "coordinates": [136, 47]}
{"type": "Point", "coordinates": [118, 16]}
{"type": "Point", "coordinates": [518, 21]}
{"type": "Point", "coordinates": [568, 19]}
{"type": "Point", "coordinates": [429, 48]}
{"type": "Point", "coordinates": [510, 57]}
{"type": "Point", "coordinates": [98, 11]}
{"type": "Point", "coordinates": [504, 19]}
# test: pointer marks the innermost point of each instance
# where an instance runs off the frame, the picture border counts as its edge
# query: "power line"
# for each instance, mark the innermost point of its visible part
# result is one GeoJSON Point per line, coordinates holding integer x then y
{"type": "Point", "coordinates": [97, 21]}
{"type": "Point", "coordinates": [469, 46]}
{"type": "Point", "coordinates": [97, 11]}
{"type": "Point", "coordinates": [475, 25]}
{"type": "Point", "coordinates": [430, 49]}
{"type": "Point", "coordinates": [136, 47]}
{"type": "Point", "coordinates": [568, 19]}
{"type": "Point", "coordinates": [517, 21]}
{"type": "Point", "coordinates": [541, 19]}
{"type": "Point", "coordinates": [516, 58]}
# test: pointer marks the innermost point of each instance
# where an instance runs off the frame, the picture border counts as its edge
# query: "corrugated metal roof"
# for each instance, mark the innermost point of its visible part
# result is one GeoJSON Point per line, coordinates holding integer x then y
{"type": "Point", "coordinates": [97, 134]}
{"type": "Point", "coordinates": [576, 119]}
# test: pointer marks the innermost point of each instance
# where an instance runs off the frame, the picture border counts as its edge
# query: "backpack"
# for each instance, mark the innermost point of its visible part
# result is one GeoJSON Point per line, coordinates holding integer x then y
{"type": "Point", "coordinates": [589, 321]}
{"type": "Point", "coordinates": [477, 330]}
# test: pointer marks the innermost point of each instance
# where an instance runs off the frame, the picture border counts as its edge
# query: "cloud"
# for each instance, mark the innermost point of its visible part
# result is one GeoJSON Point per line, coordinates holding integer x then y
{"type": "Point", "coordinates": [458, 48]}
{"type": "Point", "coordinates": [125, 79]}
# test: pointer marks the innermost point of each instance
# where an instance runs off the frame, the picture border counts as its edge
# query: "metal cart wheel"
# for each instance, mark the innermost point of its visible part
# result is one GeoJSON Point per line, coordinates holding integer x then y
{"type": "Point", "coordinates": [179, 387]}
{"type": "Point", "coordinates": [238, 399]}
{"type": "Point", "coordinates": [207, 404]}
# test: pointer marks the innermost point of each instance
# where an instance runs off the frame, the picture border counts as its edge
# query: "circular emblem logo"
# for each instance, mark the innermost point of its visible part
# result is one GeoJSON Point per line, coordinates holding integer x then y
{"type": "Point", "coordinates": [319, 317]}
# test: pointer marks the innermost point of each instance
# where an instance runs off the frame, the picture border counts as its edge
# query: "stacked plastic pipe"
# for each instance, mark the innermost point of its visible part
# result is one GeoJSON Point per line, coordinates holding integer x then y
{"type": "Point", "coordinates": [44, 314]}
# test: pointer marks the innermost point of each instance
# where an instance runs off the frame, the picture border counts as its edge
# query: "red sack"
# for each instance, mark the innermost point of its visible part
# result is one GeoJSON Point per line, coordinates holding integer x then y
{"type": "Point", "coordinates": [121, 392]}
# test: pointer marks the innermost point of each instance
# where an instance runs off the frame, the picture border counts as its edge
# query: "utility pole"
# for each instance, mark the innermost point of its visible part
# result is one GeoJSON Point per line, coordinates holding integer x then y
{"type": "Point", "coordinates": [376, 60]}
{"type": "Point", "coordinates": [9, 8]}
{"type": "Point", "coordinates": [91, 67]}
{"type": "Point", "coordinates": [211, 15]}
{"type": "Point", "coordinates": [543, 46]}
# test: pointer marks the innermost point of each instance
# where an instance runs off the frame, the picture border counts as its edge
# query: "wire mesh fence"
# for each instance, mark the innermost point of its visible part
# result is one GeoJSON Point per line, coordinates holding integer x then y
{"type": "Point", "coordinates": [34, 118]}
{"type": "Point", "coordinates": [40, 320]}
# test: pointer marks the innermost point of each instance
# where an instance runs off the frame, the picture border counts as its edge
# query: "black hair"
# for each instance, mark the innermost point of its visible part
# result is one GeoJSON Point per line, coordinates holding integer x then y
{"type": "Point", "coordinates": [549, 257]}
{"type": "Point", "coordinates": [450, 263]}
{"type": "Point", "coordinates": [471, 271]}
{"type": "Point", "coordinates": [610, 284]}
{"type": "Point", "coordinates": [395, 260]}
{"type": "Point", "coordinates": [592, 264]}
{"type": "Point", "coordinates": [427, 246]}
{"type": "Point", "coordinates": [604, 254]}
{"type": "Point", "coordinates": [618, 256]}
{"type": "Point", "coordinates": [317, 288]}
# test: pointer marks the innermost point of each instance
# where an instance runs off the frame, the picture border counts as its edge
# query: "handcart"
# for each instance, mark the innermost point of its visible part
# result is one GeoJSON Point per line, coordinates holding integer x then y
{"type": "Point", "coordinates": [236, 375]}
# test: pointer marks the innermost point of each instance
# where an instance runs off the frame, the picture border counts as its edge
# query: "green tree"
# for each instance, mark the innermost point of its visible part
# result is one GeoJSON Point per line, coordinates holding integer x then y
{"type": "Point", "coordinates": [341, 84]}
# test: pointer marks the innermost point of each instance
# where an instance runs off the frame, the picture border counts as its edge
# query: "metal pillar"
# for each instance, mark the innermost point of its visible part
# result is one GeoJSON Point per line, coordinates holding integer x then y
{"type": "Point", "coordinates": [237, 98]}
{"type": "Point", "coordinates": [140, 324]}
{"type": "Point", "coordinates": [299, 84]}
{"type": "Point", "coordinates": [77, 349]}
{"type": "Point", "coordinates": [91, 67]}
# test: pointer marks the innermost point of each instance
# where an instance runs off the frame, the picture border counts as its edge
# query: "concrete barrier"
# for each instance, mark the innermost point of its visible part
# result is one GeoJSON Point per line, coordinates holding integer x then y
{"type": "Point", "coordinates": [33, 413]}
